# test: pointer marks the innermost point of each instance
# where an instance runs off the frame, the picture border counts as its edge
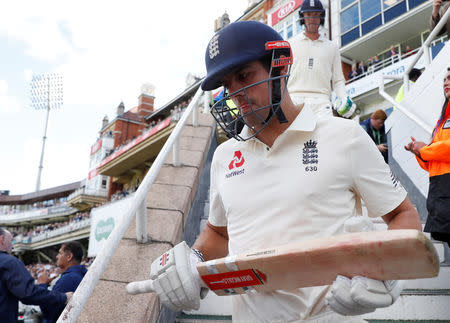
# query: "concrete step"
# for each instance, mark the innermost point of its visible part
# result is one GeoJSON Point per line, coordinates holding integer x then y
{"type": "Point", "coordinates": [415, 307]}
{"type": "Point", "coordinates": [186, 318]}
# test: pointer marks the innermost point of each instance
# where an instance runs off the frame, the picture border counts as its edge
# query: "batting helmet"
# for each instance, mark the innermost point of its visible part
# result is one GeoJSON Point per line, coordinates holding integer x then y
{"type": "Point", "coordinates": [311, 6]}
{"type": "Point", "coordinates": [234, 46]}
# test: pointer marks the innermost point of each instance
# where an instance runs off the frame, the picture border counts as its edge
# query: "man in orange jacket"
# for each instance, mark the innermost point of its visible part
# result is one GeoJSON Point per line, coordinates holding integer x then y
{"type": "Point", "coordinates": [435, 159]}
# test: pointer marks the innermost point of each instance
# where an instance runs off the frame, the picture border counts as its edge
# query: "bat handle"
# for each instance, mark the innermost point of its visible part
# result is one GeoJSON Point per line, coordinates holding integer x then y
{"type": "Point", "coordinates": [140, 287]}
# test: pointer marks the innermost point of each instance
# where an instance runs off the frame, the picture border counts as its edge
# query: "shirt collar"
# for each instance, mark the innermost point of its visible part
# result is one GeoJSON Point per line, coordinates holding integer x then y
{"type": "Point", "coordinates": [306, 120]}
{"type": "Point", "coordinates": [303, 36]}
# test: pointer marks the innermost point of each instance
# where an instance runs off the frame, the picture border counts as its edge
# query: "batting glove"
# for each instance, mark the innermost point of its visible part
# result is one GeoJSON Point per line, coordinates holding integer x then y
{"type": "Point", "coordinates": [361, 295]}
{"type": "Point", "coordinates": [176, 279]}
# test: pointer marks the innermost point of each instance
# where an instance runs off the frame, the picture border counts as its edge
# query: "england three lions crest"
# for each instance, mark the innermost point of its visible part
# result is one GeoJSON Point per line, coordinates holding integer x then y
{"type": "Point", "coordinates": [310, 155]}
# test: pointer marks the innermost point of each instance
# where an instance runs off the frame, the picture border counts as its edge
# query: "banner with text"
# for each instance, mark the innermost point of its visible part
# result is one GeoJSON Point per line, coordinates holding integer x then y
{"type": "Point", "coordinates": [103, 221]}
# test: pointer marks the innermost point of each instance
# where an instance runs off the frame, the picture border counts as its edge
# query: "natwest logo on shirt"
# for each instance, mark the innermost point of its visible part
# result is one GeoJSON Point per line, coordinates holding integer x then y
{"type": "Point", "coordinates": [238, 160]}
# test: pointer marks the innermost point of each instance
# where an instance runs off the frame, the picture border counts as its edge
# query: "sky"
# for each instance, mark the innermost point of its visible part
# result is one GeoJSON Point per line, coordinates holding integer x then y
{"type": "Point", "coordinates": [105, 51]}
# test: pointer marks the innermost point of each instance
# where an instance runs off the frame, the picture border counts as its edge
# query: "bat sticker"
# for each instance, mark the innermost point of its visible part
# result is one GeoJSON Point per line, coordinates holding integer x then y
{"type": "Point", "coordinates": [235, 279]}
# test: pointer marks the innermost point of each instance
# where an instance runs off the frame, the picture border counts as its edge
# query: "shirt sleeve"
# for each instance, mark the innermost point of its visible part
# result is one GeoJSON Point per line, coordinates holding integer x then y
{"type": "Point", "coordinates": [338, 79]}
{"type": "Point", "coordinates": [217, 214]}
{"type": "Point", "coordinates": [21, 285]}
{"type": "Point", "coordinates": [436, 151]}
{"type": "Point", "coordinates": [373, 180]}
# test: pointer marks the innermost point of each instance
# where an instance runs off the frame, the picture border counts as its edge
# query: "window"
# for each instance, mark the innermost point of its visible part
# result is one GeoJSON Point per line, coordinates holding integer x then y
{"type": "Point", "coordinates": [389, 3]}
{"type": "Point", "coordinates": [350, 36]}
{"type": "Point", "coordinates": [395, 11]}
{"type": "Point", "coordinates": [104, 182]}
{"type": "Point", "coordinates": [360, 17]}
{"type": "Point", "coordinates": [369, 8]}
{"type": "Point", "coordinates": [280, 30]}
{"type": "Point", "coordinates": [289, 31]}
{"type": "Point", "coordinates": [345, 3]}
{"type": "Point", "coordinates": [371, 24]}
{"type": "Point", "coordinates": [298, 27]}
{"type": "Point", "coordinates": [415, 3]}
{"type": "Point", "coordinates": [349, 18]}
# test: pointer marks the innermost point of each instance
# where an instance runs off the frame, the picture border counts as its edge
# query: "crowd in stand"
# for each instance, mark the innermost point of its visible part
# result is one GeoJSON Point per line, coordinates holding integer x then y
{"type": "Point", "coordinates": [175, 112]}
{"type": "Point", "coordinates": [40, 229]}
{"type": "Point", "coordinates": [52, 269]}
{"type": "Point", "coordinates": [120, 194]}
{"type": "Point", "coordinates": [14, 209]}
{"type": "Point", "coordinates": [374, 63]}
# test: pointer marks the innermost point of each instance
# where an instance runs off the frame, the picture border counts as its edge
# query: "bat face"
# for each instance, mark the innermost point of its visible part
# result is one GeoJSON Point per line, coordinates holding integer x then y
{"type": "Point", "coordinates": [382, 255]}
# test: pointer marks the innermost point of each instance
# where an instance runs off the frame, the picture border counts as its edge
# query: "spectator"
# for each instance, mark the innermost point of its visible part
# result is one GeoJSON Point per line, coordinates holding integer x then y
{"type": "Point", "coordinates": [362, 69]}
{"type": "Point", "coordinates": [392, 54]}
{"type": "Point", "coordinates": [408, 51]}
{"type": "Point", "coordinates": [439, 9]}
{"type": "Point", "coordinates": [72, 272]}
{"type": "Point", "coordinates": [376, 63]}
{"type": "Point", "coordinates": [369, 65]}
{"type": "Point", "coordinates": [435, 159]}
{"type": "Point", "coordinates": [374, 127]}
{"type": "Point", "coordinates": [353, 73]}
{"type": "Point", "coordinates": [413, 75]}
{"type": "Point", "coordinates": [316, 70]}
{"type": "Point", "coordinates": [17, 284]}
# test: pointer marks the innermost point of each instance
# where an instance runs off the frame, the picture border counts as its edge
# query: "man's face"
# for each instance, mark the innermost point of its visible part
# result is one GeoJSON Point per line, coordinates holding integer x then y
{"type": "Point", "coordinates": [62, 258]}
{"type": "Point", "coordinates": [6, 242]}
{"type": "Point", "coordinates": [447, 85]}
{"type": "Point", "coordinates": [312, 21]}
{"type": "Point", "coordinates": [250, 101]}
{"type": "Point", "coordinates": [377, 123]}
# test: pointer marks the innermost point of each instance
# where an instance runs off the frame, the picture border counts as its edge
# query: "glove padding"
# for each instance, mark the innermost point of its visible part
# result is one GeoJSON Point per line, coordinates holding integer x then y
{"type": "Point", "coordinates": [358, 224]}
{"type": "Point", "coordinates": [361, 295]}
{"type": "Point", "coordinates": [344, 106]}
{"type": "Point", "coordinates": [176, 279]}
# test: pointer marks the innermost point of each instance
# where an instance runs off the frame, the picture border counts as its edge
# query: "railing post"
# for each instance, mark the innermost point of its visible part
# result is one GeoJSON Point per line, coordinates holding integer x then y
{"type": "Point", "coordinates": [206, 99]}
{"type": "Point", "coordinates": [405, 83]}
{"type": "Point", "coordinates": [426, 53]}
{"type": "Point", "coordinates": [195, 116]}
{"type": "Point", "coordinates": [141, 222]}
{"type": "Point", "coordinates": [176, 152]}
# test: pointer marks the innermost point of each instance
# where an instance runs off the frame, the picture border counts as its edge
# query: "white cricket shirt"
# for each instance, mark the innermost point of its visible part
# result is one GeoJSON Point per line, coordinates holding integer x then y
{"type": "Point", "coordinates": [303, 187]}
{"type": "Point", "coordinates": [316, 70]}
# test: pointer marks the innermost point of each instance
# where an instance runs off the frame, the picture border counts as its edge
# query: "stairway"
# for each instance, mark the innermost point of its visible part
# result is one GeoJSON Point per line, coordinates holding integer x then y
{"type": "Point", "coordinates": [168, 203]}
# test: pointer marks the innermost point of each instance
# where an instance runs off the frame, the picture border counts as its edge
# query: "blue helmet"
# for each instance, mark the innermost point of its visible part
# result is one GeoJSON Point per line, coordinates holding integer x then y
{"type": "Point", "coordinates": [311, 6]}
{"type": "Point", "coordinates": [234, 46]}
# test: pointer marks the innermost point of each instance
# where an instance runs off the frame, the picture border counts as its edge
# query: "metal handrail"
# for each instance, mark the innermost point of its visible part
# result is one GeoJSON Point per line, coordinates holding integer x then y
{"type": "Point", "coordinates": [87, 285]}
{"type": "Point", "coordinates": [424, 50]}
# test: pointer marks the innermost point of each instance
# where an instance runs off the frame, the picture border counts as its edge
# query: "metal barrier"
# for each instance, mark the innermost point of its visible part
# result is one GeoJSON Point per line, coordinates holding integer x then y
{"type": "Point", "coordinates": [424, 50]}
{"type": "Point", "coordinates": [87, 285]}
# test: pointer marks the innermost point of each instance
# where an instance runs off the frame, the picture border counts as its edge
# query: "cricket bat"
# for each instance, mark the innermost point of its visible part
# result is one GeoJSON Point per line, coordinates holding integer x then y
{"type": "Point", "coordinates": [382, 255]}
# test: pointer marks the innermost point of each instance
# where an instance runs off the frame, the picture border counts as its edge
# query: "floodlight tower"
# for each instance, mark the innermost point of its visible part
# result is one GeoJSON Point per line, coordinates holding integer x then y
{"type": "Point", "coordinates": [46, 93]}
